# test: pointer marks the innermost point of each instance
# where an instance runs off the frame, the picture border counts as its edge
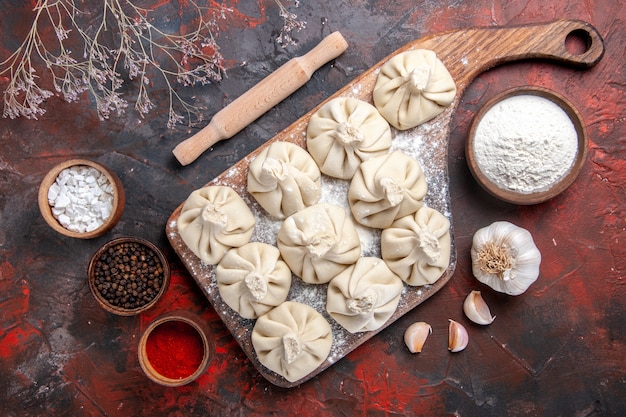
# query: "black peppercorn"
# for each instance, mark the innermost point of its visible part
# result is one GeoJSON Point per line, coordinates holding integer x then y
{"type": "Point", "coordinates": [128, 275]}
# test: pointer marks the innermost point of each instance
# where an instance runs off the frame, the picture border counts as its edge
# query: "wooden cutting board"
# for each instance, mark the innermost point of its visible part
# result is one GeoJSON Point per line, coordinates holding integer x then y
{"type": "Point", "coordinates": [465, 53]}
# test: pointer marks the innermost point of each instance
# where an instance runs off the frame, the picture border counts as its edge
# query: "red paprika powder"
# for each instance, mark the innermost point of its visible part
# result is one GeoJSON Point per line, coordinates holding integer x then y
{"type": "Point", "coordinates": [175, 349]}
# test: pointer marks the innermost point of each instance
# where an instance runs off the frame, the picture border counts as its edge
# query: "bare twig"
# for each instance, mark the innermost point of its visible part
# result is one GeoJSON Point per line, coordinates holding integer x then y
{"type": "Point", "coordinates": [123, 44]}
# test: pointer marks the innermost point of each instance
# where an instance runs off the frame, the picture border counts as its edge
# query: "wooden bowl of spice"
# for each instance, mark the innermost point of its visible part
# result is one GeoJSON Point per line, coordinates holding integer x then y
{"type": "Point", "coordinates": [526, 145]}
{"type": "Point", "coordinates": [128, 275]}
{"type": "Point", "coordinates": [80, 198]}
{"type": "Point", "coordinates": [175, 350]}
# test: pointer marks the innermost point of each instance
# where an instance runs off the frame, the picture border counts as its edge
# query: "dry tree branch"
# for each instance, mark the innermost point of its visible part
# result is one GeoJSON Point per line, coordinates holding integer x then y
{"type": "Point", "coordinates": [122, 45]}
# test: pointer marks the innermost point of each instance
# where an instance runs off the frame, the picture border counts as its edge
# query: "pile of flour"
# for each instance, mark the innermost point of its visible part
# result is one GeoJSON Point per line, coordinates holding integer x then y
{"type": "Point", "coordinates": [525, 143]}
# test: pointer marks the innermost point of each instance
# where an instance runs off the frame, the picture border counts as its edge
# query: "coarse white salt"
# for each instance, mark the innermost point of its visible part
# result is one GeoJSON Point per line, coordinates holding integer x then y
{"type": "Point", "coordinates": [81, 198]}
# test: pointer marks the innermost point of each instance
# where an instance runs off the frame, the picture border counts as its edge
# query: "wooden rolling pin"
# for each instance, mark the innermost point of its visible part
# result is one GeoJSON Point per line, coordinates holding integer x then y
{"type": "Point", "coordinates": [259, 99]}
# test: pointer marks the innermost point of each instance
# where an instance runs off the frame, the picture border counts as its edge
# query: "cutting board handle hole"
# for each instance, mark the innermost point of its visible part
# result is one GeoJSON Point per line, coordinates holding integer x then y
{"type": "Point", "coordinates": [578, 41]}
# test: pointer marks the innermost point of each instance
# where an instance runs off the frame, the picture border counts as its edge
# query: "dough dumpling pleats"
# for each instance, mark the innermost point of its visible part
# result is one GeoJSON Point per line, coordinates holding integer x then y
{"type": "Point", "coordinates": [412, 88]}
{"type": "Point", "coordinates": [253, 279]}
{"type": "Point", "coordinates": [386, 188]}
{"type": "Point", "coordinates": [283, 179]}
{"type": "Point", "coordinates": [319, 242]}
{"type": "Point", "coordinates": [292, 340]}
{"type": "Point", "coordinates": [364, 296]}
{"type": "Point", "coordinates": [343, 133]}
{"type": "Point", "coordinates": [417, 247]}
{"type": "Point", "coordinates": [213, 220]}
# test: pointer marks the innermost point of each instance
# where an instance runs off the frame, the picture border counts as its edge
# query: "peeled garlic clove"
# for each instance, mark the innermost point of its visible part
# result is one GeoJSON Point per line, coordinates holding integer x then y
{"type": "Point", "coordinates": [415, 336]}
{"type": "Point", "coordinates": [476, 309]}
{"type": "Point", "coordinates": [457, 336]}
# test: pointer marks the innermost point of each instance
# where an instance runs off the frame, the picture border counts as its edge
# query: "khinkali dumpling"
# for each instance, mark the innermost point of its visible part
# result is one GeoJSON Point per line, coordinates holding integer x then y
{"type": "Point", "coordinates": [253, 279]}
{"type": "Point", "coordinates": [386, 188]}
{"type": "Point", "coordinates": [364, 296]}
{"type": "Point", "coordinates": [292, 340]}
{"type": "Point", "coordinates": [319, 242]}
{"type": "Point", "coordinates": [417, 247]}
{"type": "Point", "coordinates": [343, 133]}
{"type": "Point", "coordinates": [412, 88]}
{"type": "Point", "coordinates": [213, 220]}
{"type": "Point", "coordinates": [283, 179]}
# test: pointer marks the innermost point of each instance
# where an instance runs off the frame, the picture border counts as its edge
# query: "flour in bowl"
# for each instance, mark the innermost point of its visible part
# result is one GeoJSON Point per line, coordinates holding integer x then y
{"type": "Point", "coordinates": [525, 143]}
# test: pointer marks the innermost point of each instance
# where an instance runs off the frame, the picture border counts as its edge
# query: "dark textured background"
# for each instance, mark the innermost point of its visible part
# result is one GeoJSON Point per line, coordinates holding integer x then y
{"type": "Point", "coordinates": [556, 350]}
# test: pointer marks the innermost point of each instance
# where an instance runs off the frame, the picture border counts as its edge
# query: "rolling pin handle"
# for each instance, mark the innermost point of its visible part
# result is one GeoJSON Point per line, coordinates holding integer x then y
{"type": "Point", "coordinates": [188, 150]}
{"type": "Point", "coordinates": [328, 49]}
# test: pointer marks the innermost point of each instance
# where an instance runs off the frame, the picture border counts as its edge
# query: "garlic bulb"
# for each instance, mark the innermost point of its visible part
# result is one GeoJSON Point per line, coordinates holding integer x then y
{"type": "Point", "coordinates": [415, 336]}
{"type": "Point", "coordinates": [476, 309]}
{"type": "Point", "coordinates": [504, 257]}
{"type": "Point", "coordinates": [457, 336]}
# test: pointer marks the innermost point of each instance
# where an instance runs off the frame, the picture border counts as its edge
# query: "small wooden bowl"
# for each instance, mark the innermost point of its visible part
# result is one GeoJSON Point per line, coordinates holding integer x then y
{"type": "Point", "coordinates": [178, 318]}
{"type": "Point", "coordinates": [556, 188]}
{"type": "Point", "coordinates": [117, 243]}
{"type": "Point", "coordinates": [119, 199]}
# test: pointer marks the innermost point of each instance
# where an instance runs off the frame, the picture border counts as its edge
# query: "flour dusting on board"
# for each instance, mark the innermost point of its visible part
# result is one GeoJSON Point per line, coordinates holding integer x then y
{"type": "Point", "coordinates": [426, 143]}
